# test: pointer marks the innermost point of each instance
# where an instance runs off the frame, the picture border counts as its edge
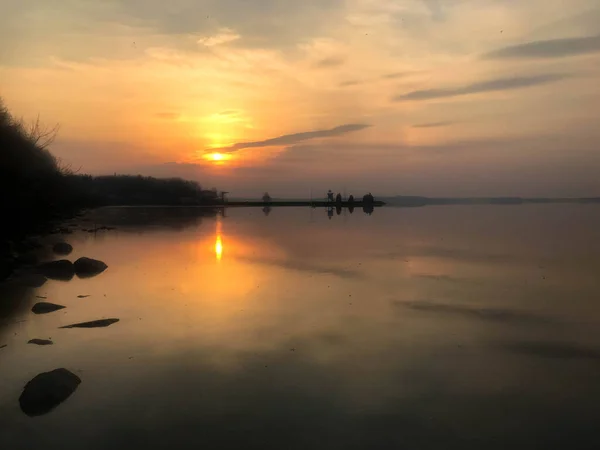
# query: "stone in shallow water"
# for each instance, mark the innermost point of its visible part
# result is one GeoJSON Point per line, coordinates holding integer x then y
{"type": "Point", "coordinates": [45, 308]}
{"type": "Point", "coordinates": [41, 342]}
{"type": "Point", "coordinates": [88, 267]}
{"type": "Point", "coordinates": [48, 390]}
{"type": "Point", "coordinates": [62, 248]}
{"type": "Point", "coordinates": [93, 324]}
{"type": "Point", "coordinates": [62, 269]}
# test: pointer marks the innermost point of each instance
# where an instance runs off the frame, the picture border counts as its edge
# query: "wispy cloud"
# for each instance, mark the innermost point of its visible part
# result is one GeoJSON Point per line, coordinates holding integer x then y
{"type": "Point", "coordinates": [553, 48]}
{"type": "Point", "coordinates": [394, 75]}
{"type": "Point", "coordinates": [222, 37]}
{"type": "Point", "coordinates": [350, 83]}
{"type": "Point", "coordinates": [433, 124]}
{"type": "Point", "coordinates": [332, 61]}
{"type": "Point", "coordinates": [289, 139]}
{"type": "Point", "coordinates": [499, 84]}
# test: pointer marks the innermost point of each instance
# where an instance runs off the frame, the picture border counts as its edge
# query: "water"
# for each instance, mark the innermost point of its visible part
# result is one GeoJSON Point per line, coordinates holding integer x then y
{"type": "Point", "coordinates": [426, 328]}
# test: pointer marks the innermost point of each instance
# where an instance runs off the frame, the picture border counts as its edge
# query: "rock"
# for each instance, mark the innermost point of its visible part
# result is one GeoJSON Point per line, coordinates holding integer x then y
{"type": "Point", "coordinates": [88, 267]}
{"type": "Point", "coordinates": [62, 269]}
{"type": "Point", "coordinates": [45, 308]}
{"type": "Point", "coordinates": [40, 342]}
{"type": "Point", "coordinates": [62, 248]}
{"type": "Point", "coordinates": [82, 296]}
{"type": "Point", "coordinates": [93, 324]}
{"type": "Point", "coordinates": [48, 390]}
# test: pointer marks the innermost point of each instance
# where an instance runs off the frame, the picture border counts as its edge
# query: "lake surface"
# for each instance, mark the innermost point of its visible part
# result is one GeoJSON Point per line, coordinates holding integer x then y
{"type": "Point", "coordinates": [467, 327]}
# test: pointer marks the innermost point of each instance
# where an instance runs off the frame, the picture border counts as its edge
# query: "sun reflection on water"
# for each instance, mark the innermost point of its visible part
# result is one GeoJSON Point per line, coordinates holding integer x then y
{"type": "Point", "coordinates": [219, 240]}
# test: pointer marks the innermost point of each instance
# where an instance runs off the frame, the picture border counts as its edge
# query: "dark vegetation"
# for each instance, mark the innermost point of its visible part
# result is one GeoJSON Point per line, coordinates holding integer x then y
{"type": "Point", "coordinates": [37, 189]}
{"type": "Point", "coordinates": [35, 185]}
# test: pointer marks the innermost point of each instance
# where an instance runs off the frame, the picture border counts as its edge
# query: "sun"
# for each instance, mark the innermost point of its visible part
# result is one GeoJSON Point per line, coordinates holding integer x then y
{"type": "Point", "coordinates": [217, 157]}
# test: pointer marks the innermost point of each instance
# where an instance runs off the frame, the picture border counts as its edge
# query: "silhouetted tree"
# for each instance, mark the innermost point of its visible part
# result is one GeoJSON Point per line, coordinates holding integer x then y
{"type": "Point", "coordinates": [266, 197]}
{"type": "Point", "coordinates": [338, 199]}
{"type": "Point", "coordinates": [351, 199]}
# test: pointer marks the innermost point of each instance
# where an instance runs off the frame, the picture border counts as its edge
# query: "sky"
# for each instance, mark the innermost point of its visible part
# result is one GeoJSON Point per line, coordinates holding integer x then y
{"type": "Point", "coordinates": [396, 97]}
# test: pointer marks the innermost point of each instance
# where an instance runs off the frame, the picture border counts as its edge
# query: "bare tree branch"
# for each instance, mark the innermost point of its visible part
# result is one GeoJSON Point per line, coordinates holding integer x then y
{"type": "Point", "coordinates": [39, 134]}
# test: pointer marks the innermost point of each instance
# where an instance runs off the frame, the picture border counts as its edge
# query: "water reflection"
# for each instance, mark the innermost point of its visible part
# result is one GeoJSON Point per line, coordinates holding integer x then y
{"type": "Point", "coordinates": [219, 239]}
{"type": "Point", "coordinates": [435, 328]}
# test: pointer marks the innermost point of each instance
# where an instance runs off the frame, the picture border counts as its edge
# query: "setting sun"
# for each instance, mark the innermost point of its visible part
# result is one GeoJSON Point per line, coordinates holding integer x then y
{"type": "Point", "coordinates": [217, 157]}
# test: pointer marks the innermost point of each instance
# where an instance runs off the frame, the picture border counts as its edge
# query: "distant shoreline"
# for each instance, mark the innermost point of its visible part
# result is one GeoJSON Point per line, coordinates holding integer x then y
{"type": "Point", "coordinates": [388, 201]}
{"type": "Point", "coordinates": [431, 201]}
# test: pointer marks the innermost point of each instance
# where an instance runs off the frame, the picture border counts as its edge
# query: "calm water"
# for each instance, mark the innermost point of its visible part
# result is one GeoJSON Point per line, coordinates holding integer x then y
{"type": "Point", "coordinates": [425, 328]}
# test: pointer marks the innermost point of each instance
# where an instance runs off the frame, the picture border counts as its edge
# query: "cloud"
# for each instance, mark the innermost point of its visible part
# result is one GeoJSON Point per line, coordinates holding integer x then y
{"type": "Point", "coordinates": [223, 37]}
{"type": "Point", "coordinates": [498, 84]}
{"type": "Point", "coordinates": [228, 112]}
{"type": "Point", "coordinates": [433, 124]}
{"type": "Point", "coordinates": [260, 22]}
{"type": "Point", "coordinates": [289, 139]}
{"type": "Point", "coordinates": [394, 75]}
{"type": "Point", "coordinates": [553, 48]}
{"type": "Point", "coordinates": [350, 83]}
{"type": "Point", "coordinates": [435, 9]}
{"type": "Point", "coordinates": [332, 61]}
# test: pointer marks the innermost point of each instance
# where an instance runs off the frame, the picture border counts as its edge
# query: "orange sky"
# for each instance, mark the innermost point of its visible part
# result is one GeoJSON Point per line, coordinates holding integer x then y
{"type": "Point", "coordinates": [431, 97]}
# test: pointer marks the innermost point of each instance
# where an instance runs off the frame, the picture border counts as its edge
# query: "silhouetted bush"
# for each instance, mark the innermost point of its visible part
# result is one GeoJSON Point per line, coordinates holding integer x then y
{"type": "Point", "coordinates": [35, 187]}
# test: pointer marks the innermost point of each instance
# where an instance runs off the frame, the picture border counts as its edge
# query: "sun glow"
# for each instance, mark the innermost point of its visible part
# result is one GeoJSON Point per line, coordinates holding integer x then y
{"type": "Point", "coordinates": [217, 157]}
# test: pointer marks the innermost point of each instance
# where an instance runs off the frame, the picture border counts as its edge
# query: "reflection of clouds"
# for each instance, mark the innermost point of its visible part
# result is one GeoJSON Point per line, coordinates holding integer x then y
{"type": "Point", "coordinates": [488, 314]}
{"type": "Point", "coordinates": [302, 266]}
{"type": "Point", "coordinates": [277, 398]}
{"type": "Point", "coordinates": [558, 350]}
{"type": "Point", "coordinates": [466, 255]}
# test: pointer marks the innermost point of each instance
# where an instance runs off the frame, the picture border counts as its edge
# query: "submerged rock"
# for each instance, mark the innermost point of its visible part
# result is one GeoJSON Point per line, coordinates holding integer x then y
{"type": "Point", "coordinates": [40, 342]}
{"type": "Point", "coordinates": [88, 267]}
{"type": "Point", "coordinates": [62, 248]}
{"type": "Point", "coordinates": [45, 308]}
{"type": "Point", "coordinates": [48, 390]}
{"type": "Point", "coordinates": [62, 269]}
{"type": "Point", "coordinates": [93, 324]}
